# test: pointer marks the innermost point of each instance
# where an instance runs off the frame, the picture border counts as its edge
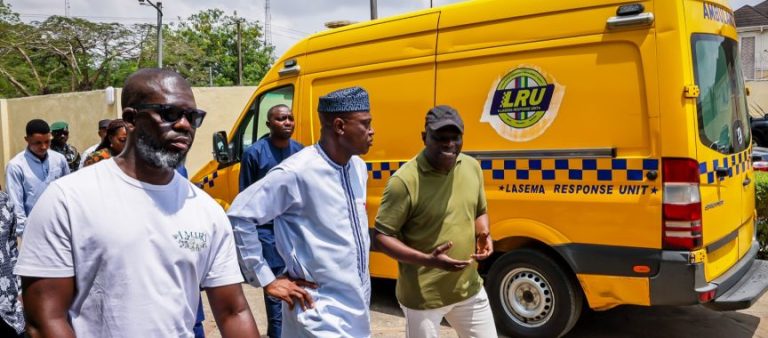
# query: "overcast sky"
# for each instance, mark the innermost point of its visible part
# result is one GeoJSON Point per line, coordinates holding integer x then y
{"type": "Point", "coordinates": [291, 19]}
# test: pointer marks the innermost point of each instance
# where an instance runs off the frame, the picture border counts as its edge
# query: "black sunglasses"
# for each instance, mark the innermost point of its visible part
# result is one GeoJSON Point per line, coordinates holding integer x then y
{"type": "Point", "coordinates": [170, 113]}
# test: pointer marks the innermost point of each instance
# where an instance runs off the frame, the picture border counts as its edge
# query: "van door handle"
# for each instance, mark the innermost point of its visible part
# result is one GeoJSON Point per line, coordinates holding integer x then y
{"type": "Point", "coordinates": [721, 172]}
{"type": "Point", "coordinates": [641, 19]}
{"type": "Point", "coordinates": [746, 182]}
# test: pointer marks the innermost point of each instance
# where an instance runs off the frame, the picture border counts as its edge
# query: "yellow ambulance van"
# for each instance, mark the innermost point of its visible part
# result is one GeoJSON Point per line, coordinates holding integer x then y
{"type": "Point", "coordinates": [613, 136]}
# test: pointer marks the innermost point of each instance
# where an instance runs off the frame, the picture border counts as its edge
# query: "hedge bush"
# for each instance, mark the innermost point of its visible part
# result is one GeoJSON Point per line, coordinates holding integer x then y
{"type": "Point", "coordinates": [761, 204]}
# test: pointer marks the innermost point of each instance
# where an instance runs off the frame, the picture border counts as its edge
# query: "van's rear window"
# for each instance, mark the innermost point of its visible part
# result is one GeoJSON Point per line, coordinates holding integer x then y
{"type": "Point", "coordinates": [722, 105]}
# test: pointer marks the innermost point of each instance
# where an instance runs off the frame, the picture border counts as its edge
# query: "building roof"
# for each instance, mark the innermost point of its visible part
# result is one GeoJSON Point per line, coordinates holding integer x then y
{"type": "Point", "coordinates": [762, 7]}
{"type": "Point", "coordinates": [750, 16]}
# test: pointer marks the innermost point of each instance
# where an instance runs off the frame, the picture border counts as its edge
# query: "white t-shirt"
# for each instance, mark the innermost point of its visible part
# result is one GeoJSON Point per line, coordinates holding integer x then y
{"type": "Point", "coordinates": [139, 252]}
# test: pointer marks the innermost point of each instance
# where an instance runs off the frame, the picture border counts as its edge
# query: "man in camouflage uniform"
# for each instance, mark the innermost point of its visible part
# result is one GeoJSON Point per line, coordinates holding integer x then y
{"type": "Point", "coordinates": [60, 131]}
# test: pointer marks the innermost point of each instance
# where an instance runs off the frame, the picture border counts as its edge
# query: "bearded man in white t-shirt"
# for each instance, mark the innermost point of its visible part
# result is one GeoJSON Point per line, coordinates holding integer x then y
{"type": "Point", "coordinates": [122, 247]}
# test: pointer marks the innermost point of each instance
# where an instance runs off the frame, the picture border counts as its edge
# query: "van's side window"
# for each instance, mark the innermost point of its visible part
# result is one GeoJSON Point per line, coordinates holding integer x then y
{"type": "Point", "coordinates": [254, 125]}
{"type": "Point", "coordinates": [722, 105]}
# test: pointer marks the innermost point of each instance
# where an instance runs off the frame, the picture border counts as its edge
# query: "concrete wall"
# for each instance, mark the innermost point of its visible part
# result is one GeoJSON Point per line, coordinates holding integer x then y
{"type": "Point", "coordinates": [223, 105]}
{"type": "Point", "coordinates": [80, 110]}
{"type": "Point", "coordinates": [83, 111]}
{"type": "Point", "coordinates": [758, 98]}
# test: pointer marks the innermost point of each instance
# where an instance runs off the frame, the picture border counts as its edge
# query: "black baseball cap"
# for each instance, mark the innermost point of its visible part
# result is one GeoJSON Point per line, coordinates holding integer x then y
{"type": "Point", "coordinates": [443, 116]}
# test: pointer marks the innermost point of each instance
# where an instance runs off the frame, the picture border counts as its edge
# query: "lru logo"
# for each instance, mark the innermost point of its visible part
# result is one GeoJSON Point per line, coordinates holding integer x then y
{"type": "Point", "coordinates": [522, 98]}
{"type": "Point", "coordinates": [536, 98]}
{"type": "Point", "coordinates": [523, 104]}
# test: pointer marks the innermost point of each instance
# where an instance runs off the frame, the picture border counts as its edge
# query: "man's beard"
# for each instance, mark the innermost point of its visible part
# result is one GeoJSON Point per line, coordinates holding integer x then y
{"type": "Point", "coordinates": [154, 154]}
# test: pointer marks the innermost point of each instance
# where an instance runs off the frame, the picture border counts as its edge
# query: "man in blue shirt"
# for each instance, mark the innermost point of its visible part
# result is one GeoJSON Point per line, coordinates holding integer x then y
{"type": "Point", "coordinates": [257, 160]}
{"type": "Point", "coordinates": [30, 171]}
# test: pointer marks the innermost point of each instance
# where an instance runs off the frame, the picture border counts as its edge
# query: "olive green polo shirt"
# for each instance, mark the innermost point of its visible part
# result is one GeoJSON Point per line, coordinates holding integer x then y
{"type": "Point", "coordinates": [425, 208]}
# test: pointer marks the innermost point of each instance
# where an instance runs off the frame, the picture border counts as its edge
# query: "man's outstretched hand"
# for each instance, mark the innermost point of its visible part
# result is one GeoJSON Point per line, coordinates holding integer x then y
{"type": "Point", "coordinates": [440, 260]}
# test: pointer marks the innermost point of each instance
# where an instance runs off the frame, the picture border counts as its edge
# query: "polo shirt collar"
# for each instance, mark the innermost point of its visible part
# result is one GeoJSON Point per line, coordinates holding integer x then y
{"type": "Point", "coordinates": [425, 167]}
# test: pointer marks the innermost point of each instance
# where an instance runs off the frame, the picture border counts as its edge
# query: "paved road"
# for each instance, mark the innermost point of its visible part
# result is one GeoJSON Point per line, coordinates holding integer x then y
{"type": "Point", "coordinates": [623, 322]}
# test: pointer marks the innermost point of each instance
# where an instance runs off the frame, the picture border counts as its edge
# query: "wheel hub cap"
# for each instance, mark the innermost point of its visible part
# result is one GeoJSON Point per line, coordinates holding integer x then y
{"type": "Point", "coordinates": [527, 297]}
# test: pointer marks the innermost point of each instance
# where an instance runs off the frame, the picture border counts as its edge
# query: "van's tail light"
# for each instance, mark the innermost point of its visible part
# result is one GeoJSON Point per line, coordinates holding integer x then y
{"type": "Point", "coordinates": [682, 228]}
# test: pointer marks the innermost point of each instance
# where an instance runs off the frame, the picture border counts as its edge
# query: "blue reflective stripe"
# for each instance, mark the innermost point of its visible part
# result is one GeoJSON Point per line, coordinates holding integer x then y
{"type": "Point", "coordinates": [575, 175]}
{"type": "Point", "coordinates": [589, 164]}
{"type": "Point", "coordinates": [486, 164]}
{"type": "Point", "coordinates": [578, 170]}
{"type": "Point", "coordinates": [561, 164]}
{"type": "Point", "coordinates": [734, 165]}
{"type": "Point", "coordinates": [534, 164]}
{"type": "Point", "coordinates": [510, 164]}
{"type": "Point", "coordinates": [498, 174]}
{"type": "Point", "coordinates": [650, 164]}
{"type": "Point", "coordinates": [634, 175]}
{"type": "Point", "coordinates": [619, 164]}
{"type": "Point", "coordinates": [548, 175]}
{"type": "Point", "coordinates": [522, 174]}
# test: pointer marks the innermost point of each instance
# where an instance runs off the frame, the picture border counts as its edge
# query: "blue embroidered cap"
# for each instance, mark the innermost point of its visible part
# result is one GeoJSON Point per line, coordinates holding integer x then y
{"type": "Point", "coordinates": [347, 100]}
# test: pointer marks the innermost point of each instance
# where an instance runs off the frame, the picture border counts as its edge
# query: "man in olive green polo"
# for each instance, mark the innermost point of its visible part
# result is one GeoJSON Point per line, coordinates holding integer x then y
{"type": "Point", "coordinates": [433, 220]}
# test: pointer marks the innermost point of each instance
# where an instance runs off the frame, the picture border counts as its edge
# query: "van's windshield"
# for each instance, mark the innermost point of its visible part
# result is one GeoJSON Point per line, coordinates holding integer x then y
{"type": "Point", "coordinates": [722, 105]}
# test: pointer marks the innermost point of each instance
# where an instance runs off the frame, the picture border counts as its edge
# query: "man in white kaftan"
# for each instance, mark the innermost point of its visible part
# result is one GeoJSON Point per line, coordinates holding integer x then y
{"type": "Point", "coordinates": [317, 201]}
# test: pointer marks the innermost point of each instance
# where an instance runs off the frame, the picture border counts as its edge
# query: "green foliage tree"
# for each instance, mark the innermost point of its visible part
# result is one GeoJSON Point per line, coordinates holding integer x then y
{"type": "Point", "coordinates": [68, 54]}
{"type": "Point", "coordinates": [16, 65]}
{"type": "Point", "coordinates": [60, 54]}
{"type": "Point", "coordinates": [215, 34]}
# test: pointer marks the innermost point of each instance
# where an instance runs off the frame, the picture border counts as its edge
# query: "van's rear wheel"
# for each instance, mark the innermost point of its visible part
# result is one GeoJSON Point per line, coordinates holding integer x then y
{"type": "Point", "coordinates": [532, 296]}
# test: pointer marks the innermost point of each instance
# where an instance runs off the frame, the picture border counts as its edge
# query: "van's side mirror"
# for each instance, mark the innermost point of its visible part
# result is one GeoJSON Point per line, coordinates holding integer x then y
{"type": "Point", "coordinates": [221, 151]}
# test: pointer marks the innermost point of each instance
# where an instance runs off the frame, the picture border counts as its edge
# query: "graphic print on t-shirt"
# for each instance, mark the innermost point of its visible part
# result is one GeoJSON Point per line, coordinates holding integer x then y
{"type": "Point", "coordinates": [192, 240]}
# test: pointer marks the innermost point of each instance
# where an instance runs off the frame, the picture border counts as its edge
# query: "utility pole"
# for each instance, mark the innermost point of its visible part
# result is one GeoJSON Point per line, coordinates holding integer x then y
{"type": "Point", "coordinates": [210, 76]}
{"type": "Point", "coordinates": [159, 34]}
{"type": "Point", "coordinates": [159, 7]}
{"type": "Point", "coordinates": [374, 10]}
{"type": "Point", "coordinates": [430, 3]}
{"type": "Point", "coordinates": [66, 7]}
{"type": "Point", "coordinates": [267, 24]}
{"type": "Point", "coordinates": [238, 21]}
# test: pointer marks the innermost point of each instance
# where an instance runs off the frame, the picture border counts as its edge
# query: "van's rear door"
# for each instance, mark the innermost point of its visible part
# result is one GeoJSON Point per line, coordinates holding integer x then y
{"type": "Point", "coordinates": [723, 132]}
